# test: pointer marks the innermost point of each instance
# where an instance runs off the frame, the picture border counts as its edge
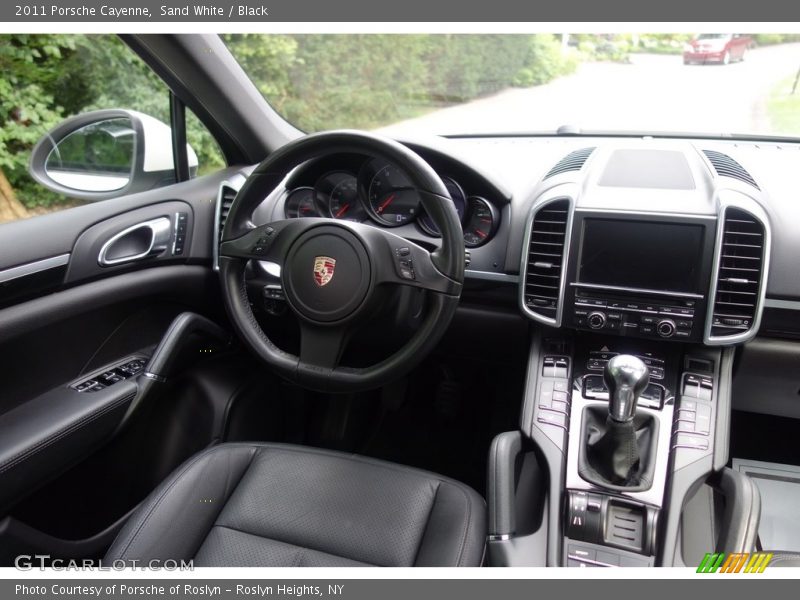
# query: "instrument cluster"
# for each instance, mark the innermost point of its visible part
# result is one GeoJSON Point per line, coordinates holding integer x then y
{"type": "Point", "coordinates": [381, 193]}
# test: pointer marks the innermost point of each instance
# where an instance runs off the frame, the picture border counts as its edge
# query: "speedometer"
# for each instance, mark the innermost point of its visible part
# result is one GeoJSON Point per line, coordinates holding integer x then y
{"type": "Point", "coordinates": [340, 190]}
{"type": "Point", "coordinates": [392, 199]}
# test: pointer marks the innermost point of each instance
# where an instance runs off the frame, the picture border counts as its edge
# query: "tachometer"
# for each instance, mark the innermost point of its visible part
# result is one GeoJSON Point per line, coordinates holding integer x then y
{"type": "Point", "coordinates": [459, 201]}
{"type": "Point", "coordinates": [301, 202]}
{"type": "Point", "coordinates": [392, 199]}
{"type": "Point", "coordinates": [481, 221]}
{"type": "Point", "coordinates": [343, 200]}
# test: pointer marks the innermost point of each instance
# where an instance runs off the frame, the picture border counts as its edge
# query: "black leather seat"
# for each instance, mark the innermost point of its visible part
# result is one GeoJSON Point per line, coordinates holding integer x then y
{"type": "Point", "coordinates": [280, 505]}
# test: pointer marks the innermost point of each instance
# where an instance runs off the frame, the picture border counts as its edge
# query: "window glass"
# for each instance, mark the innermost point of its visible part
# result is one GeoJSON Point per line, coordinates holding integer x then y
{"type": "Point", "coordinates": [45, 79]}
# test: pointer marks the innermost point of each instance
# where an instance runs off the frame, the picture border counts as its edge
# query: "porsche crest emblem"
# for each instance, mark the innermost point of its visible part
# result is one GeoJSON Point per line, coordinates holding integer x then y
{"type": "Point", "coordinates": [324, 266]}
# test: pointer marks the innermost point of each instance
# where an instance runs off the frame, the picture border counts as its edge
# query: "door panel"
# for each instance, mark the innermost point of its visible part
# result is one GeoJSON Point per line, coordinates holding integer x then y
{"type": "Point", "coordinates": [62, 320]}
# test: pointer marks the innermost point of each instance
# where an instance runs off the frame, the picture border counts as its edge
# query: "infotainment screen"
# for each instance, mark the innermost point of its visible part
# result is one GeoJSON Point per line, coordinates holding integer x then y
{"type": "Point", "coordinates": [641, 254]}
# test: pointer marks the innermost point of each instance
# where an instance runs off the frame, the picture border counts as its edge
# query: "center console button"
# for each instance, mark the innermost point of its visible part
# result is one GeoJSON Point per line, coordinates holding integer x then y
{"type": "Point", "coordinates": [580, 552]}
{"type": "Point", "coordinates": [561, 386]}
{"type": "Point", "coordinates": [596, 320]}
{"type": "Point", "coordinates": [553, 418]}
{"type": "Point", "coordinates": [666, 328]}
{"type": "Point", "coordinates": [686, 440]}
{"type": "Point", "coordinates": [607, 558]}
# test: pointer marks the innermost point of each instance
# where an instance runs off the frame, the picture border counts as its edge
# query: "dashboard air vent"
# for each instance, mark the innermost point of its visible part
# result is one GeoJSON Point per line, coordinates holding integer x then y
{"type": "Point", "coordinates": [226, 196]}
{"type": "Point", "coordinates": [740, 273]}
{"type": "Point", "coordinates": [571, 162]}
{"type": "Point", "coordinates": [725, 166]}
{"type": "Point", "coordinates": [224, 202]}
{"type": "Point", "coordinates": [543, 269]}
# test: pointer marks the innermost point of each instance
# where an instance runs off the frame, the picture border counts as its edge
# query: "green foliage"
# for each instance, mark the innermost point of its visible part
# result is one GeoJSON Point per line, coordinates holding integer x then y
{"type": "Point", "coordinates": [367, 81]}
{"type": "Point", "coordinates": [47, 78]}
{"type": "Point", "coordinates": [783, 106]}
{"type": "Point", "coordinates": [544, 61]}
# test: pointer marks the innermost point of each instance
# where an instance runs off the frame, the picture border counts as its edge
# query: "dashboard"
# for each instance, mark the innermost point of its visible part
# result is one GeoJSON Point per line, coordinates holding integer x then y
{"type": "Point", "coordinates": [670, 239]}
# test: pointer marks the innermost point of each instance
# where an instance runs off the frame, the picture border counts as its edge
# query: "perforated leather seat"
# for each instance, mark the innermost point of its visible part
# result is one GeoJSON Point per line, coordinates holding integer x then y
{"type": "Point", "coordinates": [281, 505]}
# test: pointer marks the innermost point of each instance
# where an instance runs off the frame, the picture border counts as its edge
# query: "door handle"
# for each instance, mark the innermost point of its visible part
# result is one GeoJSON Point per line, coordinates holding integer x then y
{"type": "Point", "coordinates": [137, 242]}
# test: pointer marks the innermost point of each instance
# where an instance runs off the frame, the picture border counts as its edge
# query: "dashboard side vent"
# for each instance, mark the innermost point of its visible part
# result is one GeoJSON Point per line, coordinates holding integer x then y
{"type": "Point", "coordinates": [571, 162]}
{"type": "Point", "coordinates": [725, 166]}
{"type": "Point", "coordinates": [739, 275]}
{"type": "Point", "coordinates": [226, 196]}
{"type": "Point", "coordinates": [224, 202]}
{"type": "Point", "coordinates": [545, 260]}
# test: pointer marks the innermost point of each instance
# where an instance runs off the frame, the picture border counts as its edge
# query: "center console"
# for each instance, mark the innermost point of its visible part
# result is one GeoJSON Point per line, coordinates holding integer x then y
{"type": "Point", "coordinates": [642, 289]}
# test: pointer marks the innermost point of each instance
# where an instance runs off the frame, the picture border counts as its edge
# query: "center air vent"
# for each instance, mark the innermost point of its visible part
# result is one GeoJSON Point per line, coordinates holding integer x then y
{"type": "Point", "coordinates": [725, 166]}
{"type": "Point", "coordinates": [542, 272]}
{"type": "Point", "coordinates": [224, 203]}
{"type": "Point", "coordinates": [739, 276]}
{"type": "Point", "coordinates": [571, 162]}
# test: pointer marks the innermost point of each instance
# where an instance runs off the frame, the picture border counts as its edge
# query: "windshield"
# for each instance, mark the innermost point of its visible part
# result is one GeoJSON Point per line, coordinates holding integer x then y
{"type": "Point", "coordinates": [454, 84]}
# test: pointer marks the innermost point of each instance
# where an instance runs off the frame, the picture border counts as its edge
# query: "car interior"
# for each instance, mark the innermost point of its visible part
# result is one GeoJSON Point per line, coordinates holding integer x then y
{"type": "Point", "coordinates": [349, 349]}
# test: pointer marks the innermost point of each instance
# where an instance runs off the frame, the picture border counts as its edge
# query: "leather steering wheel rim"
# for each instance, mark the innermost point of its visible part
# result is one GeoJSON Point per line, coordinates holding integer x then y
{"type": "Point", "coordinates": [441, 272]}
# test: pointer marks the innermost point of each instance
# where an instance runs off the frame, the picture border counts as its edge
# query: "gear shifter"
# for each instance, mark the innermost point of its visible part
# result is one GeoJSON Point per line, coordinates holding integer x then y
{"type": "Point", "coordinates": [626, 377]}
{"type": "Point", "coordinates": [612, 443]}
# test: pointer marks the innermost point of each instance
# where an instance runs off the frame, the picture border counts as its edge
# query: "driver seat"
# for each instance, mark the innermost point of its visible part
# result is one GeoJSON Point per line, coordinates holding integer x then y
{"type": "Point", "coordinates": [278, 505]}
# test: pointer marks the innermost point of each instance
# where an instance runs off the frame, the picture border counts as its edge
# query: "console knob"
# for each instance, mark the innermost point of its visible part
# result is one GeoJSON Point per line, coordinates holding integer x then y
{"type": "Point", "coordinates": [666, 328]}
{"type": "Point", "coordinates": [596, 320]}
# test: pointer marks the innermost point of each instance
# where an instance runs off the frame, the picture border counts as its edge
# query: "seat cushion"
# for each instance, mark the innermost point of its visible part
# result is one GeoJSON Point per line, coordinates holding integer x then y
{"type": "Point", "coordinates": [280, 505]}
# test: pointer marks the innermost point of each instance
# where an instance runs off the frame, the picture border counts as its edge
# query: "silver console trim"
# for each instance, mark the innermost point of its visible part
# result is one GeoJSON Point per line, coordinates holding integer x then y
{"type": "Point", "coordinates": [32, 268]}
{"type": "Point", "coordinates": [784, 304]}
{"type": "Point", "coordinates": [491, 276]}
{"type": "Point", "coordinates": [615, 288]}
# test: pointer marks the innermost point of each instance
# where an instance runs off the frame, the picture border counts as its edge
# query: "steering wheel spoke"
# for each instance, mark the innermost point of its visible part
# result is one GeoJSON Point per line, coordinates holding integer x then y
{"type": "Point", "coordinates": [322, 347]}
{"type": "Point", "coordinates": [410, 264]}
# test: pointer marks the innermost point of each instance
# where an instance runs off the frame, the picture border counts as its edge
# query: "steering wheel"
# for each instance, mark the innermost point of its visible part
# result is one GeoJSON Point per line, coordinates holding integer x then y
{"type": "Point", "coordinates": [331, 271]}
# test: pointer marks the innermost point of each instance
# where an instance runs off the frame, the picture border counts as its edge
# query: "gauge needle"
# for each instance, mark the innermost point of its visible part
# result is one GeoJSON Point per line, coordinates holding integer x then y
{"type": "Point", "coordinates": [342, 210]}
{"type": "Point", "coordinates": [386, 203]}
{"type": "Point", "coordinates": [480, 233]}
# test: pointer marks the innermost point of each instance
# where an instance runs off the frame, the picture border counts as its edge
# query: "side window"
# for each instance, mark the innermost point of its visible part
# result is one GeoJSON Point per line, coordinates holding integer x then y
{"type": "Point", "coordinates": [84, 119]}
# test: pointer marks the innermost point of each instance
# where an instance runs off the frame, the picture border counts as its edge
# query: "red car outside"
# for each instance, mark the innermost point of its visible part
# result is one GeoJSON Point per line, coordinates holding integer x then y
{"type": "Point", "coordinates": [722, 48]}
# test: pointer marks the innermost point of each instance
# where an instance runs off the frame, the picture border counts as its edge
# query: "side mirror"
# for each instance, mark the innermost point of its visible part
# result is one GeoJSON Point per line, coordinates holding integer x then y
{"type": "Point", "coordinates": [106, 153]}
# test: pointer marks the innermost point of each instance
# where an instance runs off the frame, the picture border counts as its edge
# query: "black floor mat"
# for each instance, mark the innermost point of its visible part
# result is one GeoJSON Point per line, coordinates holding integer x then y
{"type": "Point", "coordinates": [765, 437]}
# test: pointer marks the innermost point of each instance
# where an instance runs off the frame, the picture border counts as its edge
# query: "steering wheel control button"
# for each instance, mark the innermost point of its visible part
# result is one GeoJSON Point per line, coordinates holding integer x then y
{"type": "Point", "coordinates": [327, 274]}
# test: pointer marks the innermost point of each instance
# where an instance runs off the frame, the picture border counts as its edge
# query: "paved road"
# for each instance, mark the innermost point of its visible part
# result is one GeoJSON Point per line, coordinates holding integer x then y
{"type": "Point", "coordinates": [652, 93]}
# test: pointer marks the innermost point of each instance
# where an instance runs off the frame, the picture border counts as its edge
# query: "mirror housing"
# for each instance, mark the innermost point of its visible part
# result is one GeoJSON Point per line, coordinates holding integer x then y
{"type": "Point", "coordinates": [142, 141]}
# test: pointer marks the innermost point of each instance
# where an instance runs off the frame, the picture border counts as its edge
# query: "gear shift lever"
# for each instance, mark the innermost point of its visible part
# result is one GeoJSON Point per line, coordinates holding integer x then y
{"type": "Point", "coordinates": [612, 448]}
{"type": "Point", "coordinates": [626, 377]}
